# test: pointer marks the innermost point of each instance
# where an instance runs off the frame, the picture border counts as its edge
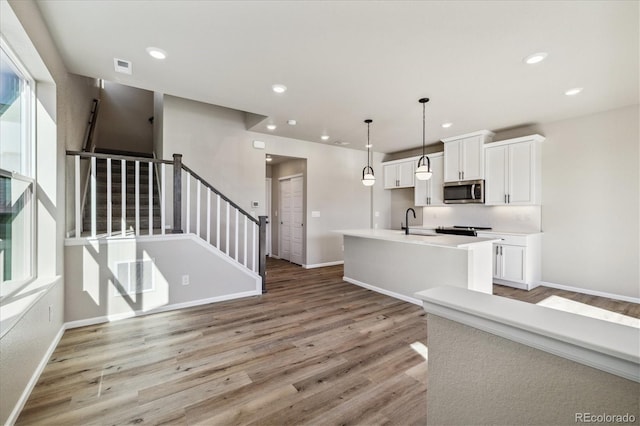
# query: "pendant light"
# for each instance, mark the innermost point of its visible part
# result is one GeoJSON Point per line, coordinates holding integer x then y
{"type": "Point", "coordinates": [423, 172]}
{"type": "Point", "coordinates": [368, 179]}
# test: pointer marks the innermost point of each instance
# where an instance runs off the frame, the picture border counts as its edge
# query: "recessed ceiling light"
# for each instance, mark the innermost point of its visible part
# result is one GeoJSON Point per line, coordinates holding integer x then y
{"type": "Point", "coordinates": [292, 122]}
{"type": "Point", "coordinates": [271, 126]}
{"type": "Point", "coordinates": [574, 91]}
{"type": "Point", "coordinates": [368, 145]}
{"type": "Point", "coordinates": [324, 137]}
{"type": "Point", "coordinates": [535, 58]}
{"type": "Point", "coordinates": [279, 88]}
{"type": "Point", "coordinates": [156, 52]}
{"type": "Point", "coordinates": [269, 159]}
{"type": "Point", "coordinates": [447, 125]}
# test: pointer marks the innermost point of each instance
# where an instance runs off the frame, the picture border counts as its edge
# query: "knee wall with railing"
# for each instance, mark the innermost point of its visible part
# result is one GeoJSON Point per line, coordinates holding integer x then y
{"type": "Point", "coordinates": [128, 196]}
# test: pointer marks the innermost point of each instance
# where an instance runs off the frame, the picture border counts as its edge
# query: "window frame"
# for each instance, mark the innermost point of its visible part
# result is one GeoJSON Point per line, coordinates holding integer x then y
{"type": "Point", "coordinates": [28, 164]}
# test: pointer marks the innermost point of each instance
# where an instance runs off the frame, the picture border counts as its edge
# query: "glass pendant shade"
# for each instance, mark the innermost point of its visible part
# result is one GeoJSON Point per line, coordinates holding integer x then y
{"type": "Point", "coordinates": [423, 171]}
{"type": "Point", "coordinates": [368, 179]}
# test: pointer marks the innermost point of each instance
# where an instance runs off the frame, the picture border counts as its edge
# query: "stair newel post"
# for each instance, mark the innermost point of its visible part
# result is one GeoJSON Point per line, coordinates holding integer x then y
{"type": "Point", "coordinates": [177, 194]}
{"type": "Point", "coordinates": [262, 250]}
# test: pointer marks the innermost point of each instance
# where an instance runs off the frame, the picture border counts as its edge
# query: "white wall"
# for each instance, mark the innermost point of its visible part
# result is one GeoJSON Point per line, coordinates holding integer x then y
{"type": "Point", "coordinates": [590, 202]}
{"type": "Point", "coordinates": [215, 143]}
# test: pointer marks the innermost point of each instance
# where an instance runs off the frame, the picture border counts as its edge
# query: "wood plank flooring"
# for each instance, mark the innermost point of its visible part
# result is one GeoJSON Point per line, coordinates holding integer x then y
{"type": "Point", "coordinates": [541, 293]}
{"type": "Point", "coordinates": [314, 350]}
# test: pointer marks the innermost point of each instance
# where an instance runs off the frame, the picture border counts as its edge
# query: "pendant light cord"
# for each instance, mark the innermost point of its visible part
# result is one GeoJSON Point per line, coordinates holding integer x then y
{"type": "Point", "coordinates": [368, 145]}
{"type": "Point", "coordinates": [423, 126]}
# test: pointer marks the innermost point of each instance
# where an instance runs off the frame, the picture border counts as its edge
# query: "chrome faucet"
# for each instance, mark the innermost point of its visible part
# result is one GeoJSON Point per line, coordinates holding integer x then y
{"type": "Point", "coordinates": [406, 220]}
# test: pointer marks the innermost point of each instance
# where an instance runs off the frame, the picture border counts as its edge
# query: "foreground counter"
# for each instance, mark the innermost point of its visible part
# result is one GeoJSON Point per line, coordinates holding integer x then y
{"type": "Point", "coordinates": [399, 265]}
{"type": "Point", "coordinates": [494, 360]}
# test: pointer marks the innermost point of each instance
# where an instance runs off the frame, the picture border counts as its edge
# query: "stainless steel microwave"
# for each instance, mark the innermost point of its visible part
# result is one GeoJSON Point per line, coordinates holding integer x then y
{"type": "Point", "coordinates": [464, 192]}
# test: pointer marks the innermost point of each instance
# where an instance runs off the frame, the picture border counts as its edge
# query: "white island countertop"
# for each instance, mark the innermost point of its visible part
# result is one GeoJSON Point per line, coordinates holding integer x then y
{"type": "Point", "coordinates": [439, 240]}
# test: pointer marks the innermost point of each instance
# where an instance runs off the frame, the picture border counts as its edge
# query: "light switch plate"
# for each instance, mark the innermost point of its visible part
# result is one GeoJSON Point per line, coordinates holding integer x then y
{"type": "Point", "coordinates": [315, 213]}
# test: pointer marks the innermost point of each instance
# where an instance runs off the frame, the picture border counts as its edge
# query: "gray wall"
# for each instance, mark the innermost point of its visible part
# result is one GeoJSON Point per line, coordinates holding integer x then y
{"type": "Point", "coordinates": [401, 200]}
{"type": "Point", "coordinates": [215, 143]}
{"type": "Point", "coordinates": [123, 120]}
{"type": "Point", "coordinates": [590, 203]}
{"type": "Point", "coordinates": [94, 290]}
{"type": "Point", "coordinates": [158, 124]}
{"type": "Point", "coordinates": [479, 378]}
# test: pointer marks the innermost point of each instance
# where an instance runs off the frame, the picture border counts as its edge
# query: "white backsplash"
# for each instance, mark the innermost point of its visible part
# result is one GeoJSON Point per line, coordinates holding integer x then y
{"type": "Point", "coordinates": [500, 218]}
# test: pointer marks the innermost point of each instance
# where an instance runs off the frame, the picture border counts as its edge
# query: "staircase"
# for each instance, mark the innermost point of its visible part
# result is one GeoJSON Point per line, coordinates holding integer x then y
{"type": "Point", "coordinates": [116, 198]}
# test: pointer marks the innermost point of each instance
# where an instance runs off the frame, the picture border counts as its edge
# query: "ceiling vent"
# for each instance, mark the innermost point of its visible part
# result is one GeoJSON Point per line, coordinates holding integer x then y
{"type": "Point", "coordinates": [122, 66]}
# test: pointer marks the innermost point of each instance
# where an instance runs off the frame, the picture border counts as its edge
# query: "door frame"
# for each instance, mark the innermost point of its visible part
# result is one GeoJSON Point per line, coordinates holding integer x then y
{"type": "Point", "coordinates": [268, 201]}
{"type": "Point", "coordinates": [280, 179]}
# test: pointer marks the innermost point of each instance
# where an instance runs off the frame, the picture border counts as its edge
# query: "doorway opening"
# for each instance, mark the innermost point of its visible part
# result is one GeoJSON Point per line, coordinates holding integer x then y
{"type": "Point", "coordinates": [288, 208]}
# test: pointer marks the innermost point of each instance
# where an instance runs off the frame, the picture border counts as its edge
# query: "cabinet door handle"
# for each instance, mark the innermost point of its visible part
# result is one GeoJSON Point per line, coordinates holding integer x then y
{"type": "Point", "coordinates": [500, 250]}
{"type": "Point", "coordinates": [505, 198]}
{"type": "Point", "coordinates": [497, 249]}
{"type": "Point", "coordinates": [508, 198]}
{"type": "Point", "coordinates": [463, 175]}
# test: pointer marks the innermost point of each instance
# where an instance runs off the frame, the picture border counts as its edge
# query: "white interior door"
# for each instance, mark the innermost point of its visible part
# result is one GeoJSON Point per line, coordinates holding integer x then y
{"type": "Point", "coordinates": [284, 242]}
{"type": "Point", "coordinates": [297, 220]}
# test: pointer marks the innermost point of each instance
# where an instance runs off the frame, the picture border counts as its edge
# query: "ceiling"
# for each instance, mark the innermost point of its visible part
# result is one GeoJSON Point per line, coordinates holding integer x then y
{"type": "Point", "coordinates": [345, 61]}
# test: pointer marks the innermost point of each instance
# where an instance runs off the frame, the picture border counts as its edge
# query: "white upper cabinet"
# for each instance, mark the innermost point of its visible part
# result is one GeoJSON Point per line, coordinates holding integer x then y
{"type": "Point", "coordinates": [464, 156]}
{"type": "Point", "coordinates": [429, 192]}
{"type": "Point", "coordinates": [512, 171]}
{"type": "Point", "coordinates": [399, 173]}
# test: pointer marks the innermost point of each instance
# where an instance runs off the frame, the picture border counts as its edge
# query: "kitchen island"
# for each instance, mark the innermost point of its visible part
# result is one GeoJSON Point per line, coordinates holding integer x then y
{"type": "Point", "coordinates": [399, 265]}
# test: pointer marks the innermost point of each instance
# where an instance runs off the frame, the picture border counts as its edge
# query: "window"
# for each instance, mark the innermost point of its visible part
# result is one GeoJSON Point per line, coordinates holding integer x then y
{"type": "Point", "coordinates": [17, 184]}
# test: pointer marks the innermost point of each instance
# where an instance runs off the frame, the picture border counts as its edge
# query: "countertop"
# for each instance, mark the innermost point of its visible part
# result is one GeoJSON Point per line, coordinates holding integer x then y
{"type": "Point", "coordinates": [431, 239]}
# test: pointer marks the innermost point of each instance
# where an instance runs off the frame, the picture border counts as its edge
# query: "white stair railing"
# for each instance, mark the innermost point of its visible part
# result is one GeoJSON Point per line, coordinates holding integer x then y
{"type": "Point", "coordinates": [240, 236]}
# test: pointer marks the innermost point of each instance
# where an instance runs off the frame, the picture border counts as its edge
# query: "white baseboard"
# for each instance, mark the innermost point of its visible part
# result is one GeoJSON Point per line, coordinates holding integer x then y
{"type": "Point", "coordinates": [34, 378]}
{"type": "Point", "coordinates": [322, 265]}
{"type": "Point", "coordinates": [383, 291]}
{"type": "Point", "coordinates": [115, 317]}
{"type": "Point", "coordinates": [591, 292]}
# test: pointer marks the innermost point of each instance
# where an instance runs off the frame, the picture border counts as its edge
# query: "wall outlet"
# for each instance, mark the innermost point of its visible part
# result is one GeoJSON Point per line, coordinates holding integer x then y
{"type": "Point", "coordinates": [377, 214]}
{"type": "Point", "coordinates": [185, 280]}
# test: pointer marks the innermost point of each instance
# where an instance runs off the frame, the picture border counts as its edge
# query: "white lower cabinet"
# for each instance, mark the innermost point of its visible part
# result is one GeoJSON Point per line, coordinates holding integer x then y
{"type": "Point", "coordinates": [516, 259]}
{"type": "Point", "coordinates": [429, 192]}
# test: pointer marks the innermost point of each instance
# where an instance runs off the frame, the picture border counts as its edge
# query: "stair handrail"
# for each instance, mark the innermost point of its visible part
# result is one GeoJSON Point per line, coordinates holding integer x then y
{"type": "Point", "coordinates": [84, 154]}
{"type": "Point", "coordinates": [224, 197]}
{"type": "Point", "coordinates": [91, 125]}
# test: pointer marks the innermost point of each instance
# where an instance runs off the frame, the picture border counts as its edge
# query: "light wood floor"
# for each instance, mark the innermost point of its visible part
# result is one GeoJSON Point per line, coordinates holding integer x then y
{"type": "Point", "coordinates": [314, 350]}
